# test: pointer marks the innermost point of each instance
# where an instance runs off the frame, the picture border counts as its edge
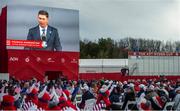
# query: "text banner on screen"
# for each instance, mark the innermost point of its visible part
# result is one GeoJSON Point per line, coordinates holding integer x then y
{"type": "Point", "coordinates": [24, 43]}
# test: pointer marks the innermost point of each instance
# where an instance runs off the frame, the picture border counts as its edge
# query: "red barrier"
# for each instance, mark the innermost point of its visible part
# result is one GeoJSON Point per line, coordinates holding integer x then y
{"type": "Point", "coordinates": [118, 76]}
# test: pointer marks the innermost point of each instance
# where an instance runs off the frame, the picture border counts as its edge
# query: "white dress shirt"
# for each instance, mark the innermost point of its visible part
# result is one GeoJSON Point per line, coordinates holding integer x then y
{"type": "Point", "coordinates": [41, 30]}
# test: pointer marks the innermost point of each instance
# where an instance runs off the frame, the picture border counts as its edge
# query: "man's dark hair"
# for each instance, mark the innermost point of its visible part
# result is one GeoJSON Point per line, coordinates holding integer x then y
{"type": "Point", "coordinates": [43, 12]}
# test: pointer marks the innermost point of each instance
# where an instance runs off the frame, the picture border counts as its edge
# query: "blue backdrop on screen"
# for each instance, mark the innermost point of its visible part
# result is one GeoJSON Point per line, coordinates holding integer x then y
{"type": "Point", "coordinates": [21, 18]}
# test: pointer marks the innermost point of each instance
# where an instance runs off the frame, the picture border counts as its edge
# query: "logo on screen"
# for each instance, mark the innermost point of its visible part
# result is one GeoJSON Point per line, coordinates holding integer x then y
{"type": "Point", "coordinates": [13, 59]}
{"type": "Point", "coordinates": [62, 60]}
{"type": "Point", "coordinates": [50, 60]}
{"type": "Point", "coordinates": [27, 59]}
{"type": "Point", "coordinates": [73, 61]}
{"type": "Point", "coordinates": [38, 59]}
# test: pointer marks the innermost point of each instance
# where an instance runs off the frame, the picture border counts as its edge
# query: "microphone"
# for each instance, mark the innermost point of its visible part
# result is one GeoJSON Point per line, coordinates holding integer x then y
{"type": "Point", "coordinates": [44, 43]}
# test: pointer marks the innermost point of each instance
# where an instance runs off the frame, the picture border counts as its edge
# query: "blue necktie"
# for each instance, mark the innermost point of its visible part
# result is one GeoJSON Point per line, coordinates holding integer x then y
{"type": "Point", "coordinates": [43, 30]}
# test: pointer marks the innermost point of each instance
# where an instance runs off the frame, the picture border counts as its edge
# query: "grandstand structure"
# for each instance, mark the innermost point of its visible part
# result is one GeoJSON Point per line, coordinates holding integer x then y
{"type": "Point", "coordinates": [139, 64]}
{"type": "Point", "coordinates": [102, 65]}
{"type": "Point", "coordinates": [154, 63]}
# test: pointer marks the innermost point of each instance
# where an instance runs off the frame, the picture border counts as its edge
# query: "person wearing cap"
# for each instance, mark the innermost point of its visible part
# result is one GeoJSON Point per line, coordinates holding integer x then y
{"type": "Point", "coordinates": [86, 95]}
{"type": "Point", "coordinates": [177, 100]}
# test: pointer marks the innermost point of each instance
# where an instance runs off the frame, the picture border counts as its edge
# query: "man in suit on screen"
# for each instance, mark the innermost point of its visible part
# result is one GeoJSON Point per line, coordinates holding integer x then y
{"type": "Point", "coordinates": [46, 33]}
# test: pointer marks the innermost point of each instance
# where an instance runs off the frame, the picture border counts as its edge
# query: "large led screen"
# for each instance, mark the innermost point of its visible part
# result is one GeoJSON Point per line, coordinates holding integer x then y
{"type": "Point", "coordinates": [24, 32]}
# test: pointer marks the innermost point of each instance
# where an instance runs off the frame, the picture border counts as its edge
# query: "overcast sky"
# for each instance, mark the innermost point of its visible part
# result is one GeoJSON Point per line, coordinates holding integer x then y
{"type": "Point", "coordinates": [151, 19]}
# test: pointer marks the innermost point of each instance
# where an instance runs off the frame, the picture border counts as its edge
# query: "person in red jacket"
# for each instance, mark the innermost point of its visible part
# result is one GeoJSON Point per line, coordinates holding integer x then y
{"type": "Point", "coordinates": [8, 103]}
{"type": "Point", "coordinates": [44, 101]}
{"type": "Point", "coordinates": [8, 100]}
{"type": "Point", "coordinates": [104, 96]}
{"type": "Point", "coordinates": [32, 96]}
{"type": "Point", "coordinates": [64, 101]}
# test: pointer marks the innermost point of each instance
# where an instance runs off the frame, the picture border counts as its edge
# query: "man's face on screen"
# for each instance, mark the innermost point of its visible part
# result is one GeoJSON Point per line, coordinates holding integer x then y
{"type": "Point", "coordinates": [43, 20]}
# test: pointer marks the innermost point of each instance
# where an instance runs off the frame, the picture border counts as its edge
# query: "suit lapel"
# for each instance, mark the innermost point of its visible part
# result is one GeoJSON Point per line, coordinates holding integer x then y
{"type": "Point", "coordinates": [38, 33]}
{"type": "Point", "coordinates": [48, 34]}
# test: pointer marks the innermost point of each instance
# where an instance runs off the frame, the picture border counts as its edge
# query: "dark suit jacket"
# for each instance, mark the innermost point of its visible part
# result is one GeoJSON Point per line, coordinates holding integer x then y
{"type": "Point", "coordinates": [52, 38]}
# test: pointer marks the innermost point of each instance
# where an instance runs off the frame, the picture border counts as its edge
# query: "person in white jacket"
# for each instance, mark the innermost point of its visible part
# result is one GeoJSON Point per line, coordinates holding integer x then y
{"type": "Point", "coordinates": [177, 100]}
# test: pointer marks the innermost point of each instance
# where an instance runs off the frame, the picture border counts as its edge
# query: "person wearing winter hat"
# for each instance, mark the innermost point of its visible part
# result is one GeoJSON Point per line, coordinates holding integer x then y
{"type": "Point", "coordinates": [8, 99]}
{"type": "Point", "coordinates": [32, 95]}
{"type": "Point", "coordinates": [104, 94]}
{"type": "Point", "coordinates": [85, 96]}
{"type": "Point", "coordinates": [150, 92]}
{"type": "Point", "coordinates": [129, 95]}
{"type": "Point", "coordinates": [142, 90]}
{"type": "Point", "coordinates": [151, 95]}
{"type": "Point", "coordinates": [157, 103]}
{"type": "Point", "coordinates": [44, 99]}
{"type": "Point", "coordinates": [64, 102]}
{"type": "Point", "coordinates": [67, 94]}
{"type": "Point", "coordinates": [53, 104]}
{"type": "Point", "coordinates": [68, 100]}
{"type": "Point", "coordinates": [143, 104]}
{"type": "Point", "coordinates": [8, 103]}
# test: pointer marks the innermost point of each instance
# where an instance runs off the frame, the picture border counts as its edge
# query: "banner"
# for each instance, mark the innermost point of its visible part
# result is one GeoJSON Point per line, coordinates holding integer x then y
{"type": "Point", "coordinates": [24, 43]}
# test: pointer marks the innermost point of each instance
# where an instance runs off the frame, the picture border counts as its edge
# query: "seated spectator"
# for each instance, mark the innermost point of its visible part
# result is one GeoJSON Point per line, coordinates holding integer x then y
{"type": "Point", "coordinates": [104, 94]}
{"type": "Point", "coordinates": [86, 95]}
{"type": "Point", "coordinates": [177, 100]}
{"type": "Point", "coordinates": [8, 100]}
{"type": "Point", "coordinates": [129, 94]}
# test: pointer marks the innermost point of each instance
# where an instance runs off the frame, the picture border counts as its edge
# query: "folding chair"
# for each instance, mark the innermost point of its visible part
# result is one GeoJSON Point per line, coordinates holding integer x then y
{"type": "Point", "coordinates": [89, 104]}
{"type": "Point", "coordinates": [130, 105]}
{"type": "Point", "coordinates": [78, 99]}
{"type": "Point", "coordinates": [168, 106]}
{"type": "Point", "coordinates": [119, 104]}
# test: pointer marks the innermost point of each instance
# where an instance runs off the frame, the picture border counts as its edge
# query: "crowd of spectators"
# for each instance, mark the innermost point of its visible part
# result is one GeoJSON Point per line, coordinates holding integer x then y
{"type": "Point", "coordinates": [61, 94]}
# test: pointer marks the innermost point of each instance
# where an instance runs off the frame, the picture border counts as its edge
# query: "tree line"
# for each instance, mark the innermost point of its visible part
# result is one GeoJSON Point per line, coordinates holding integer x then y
{"type": "Point", "coordinates": [107, 48]}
